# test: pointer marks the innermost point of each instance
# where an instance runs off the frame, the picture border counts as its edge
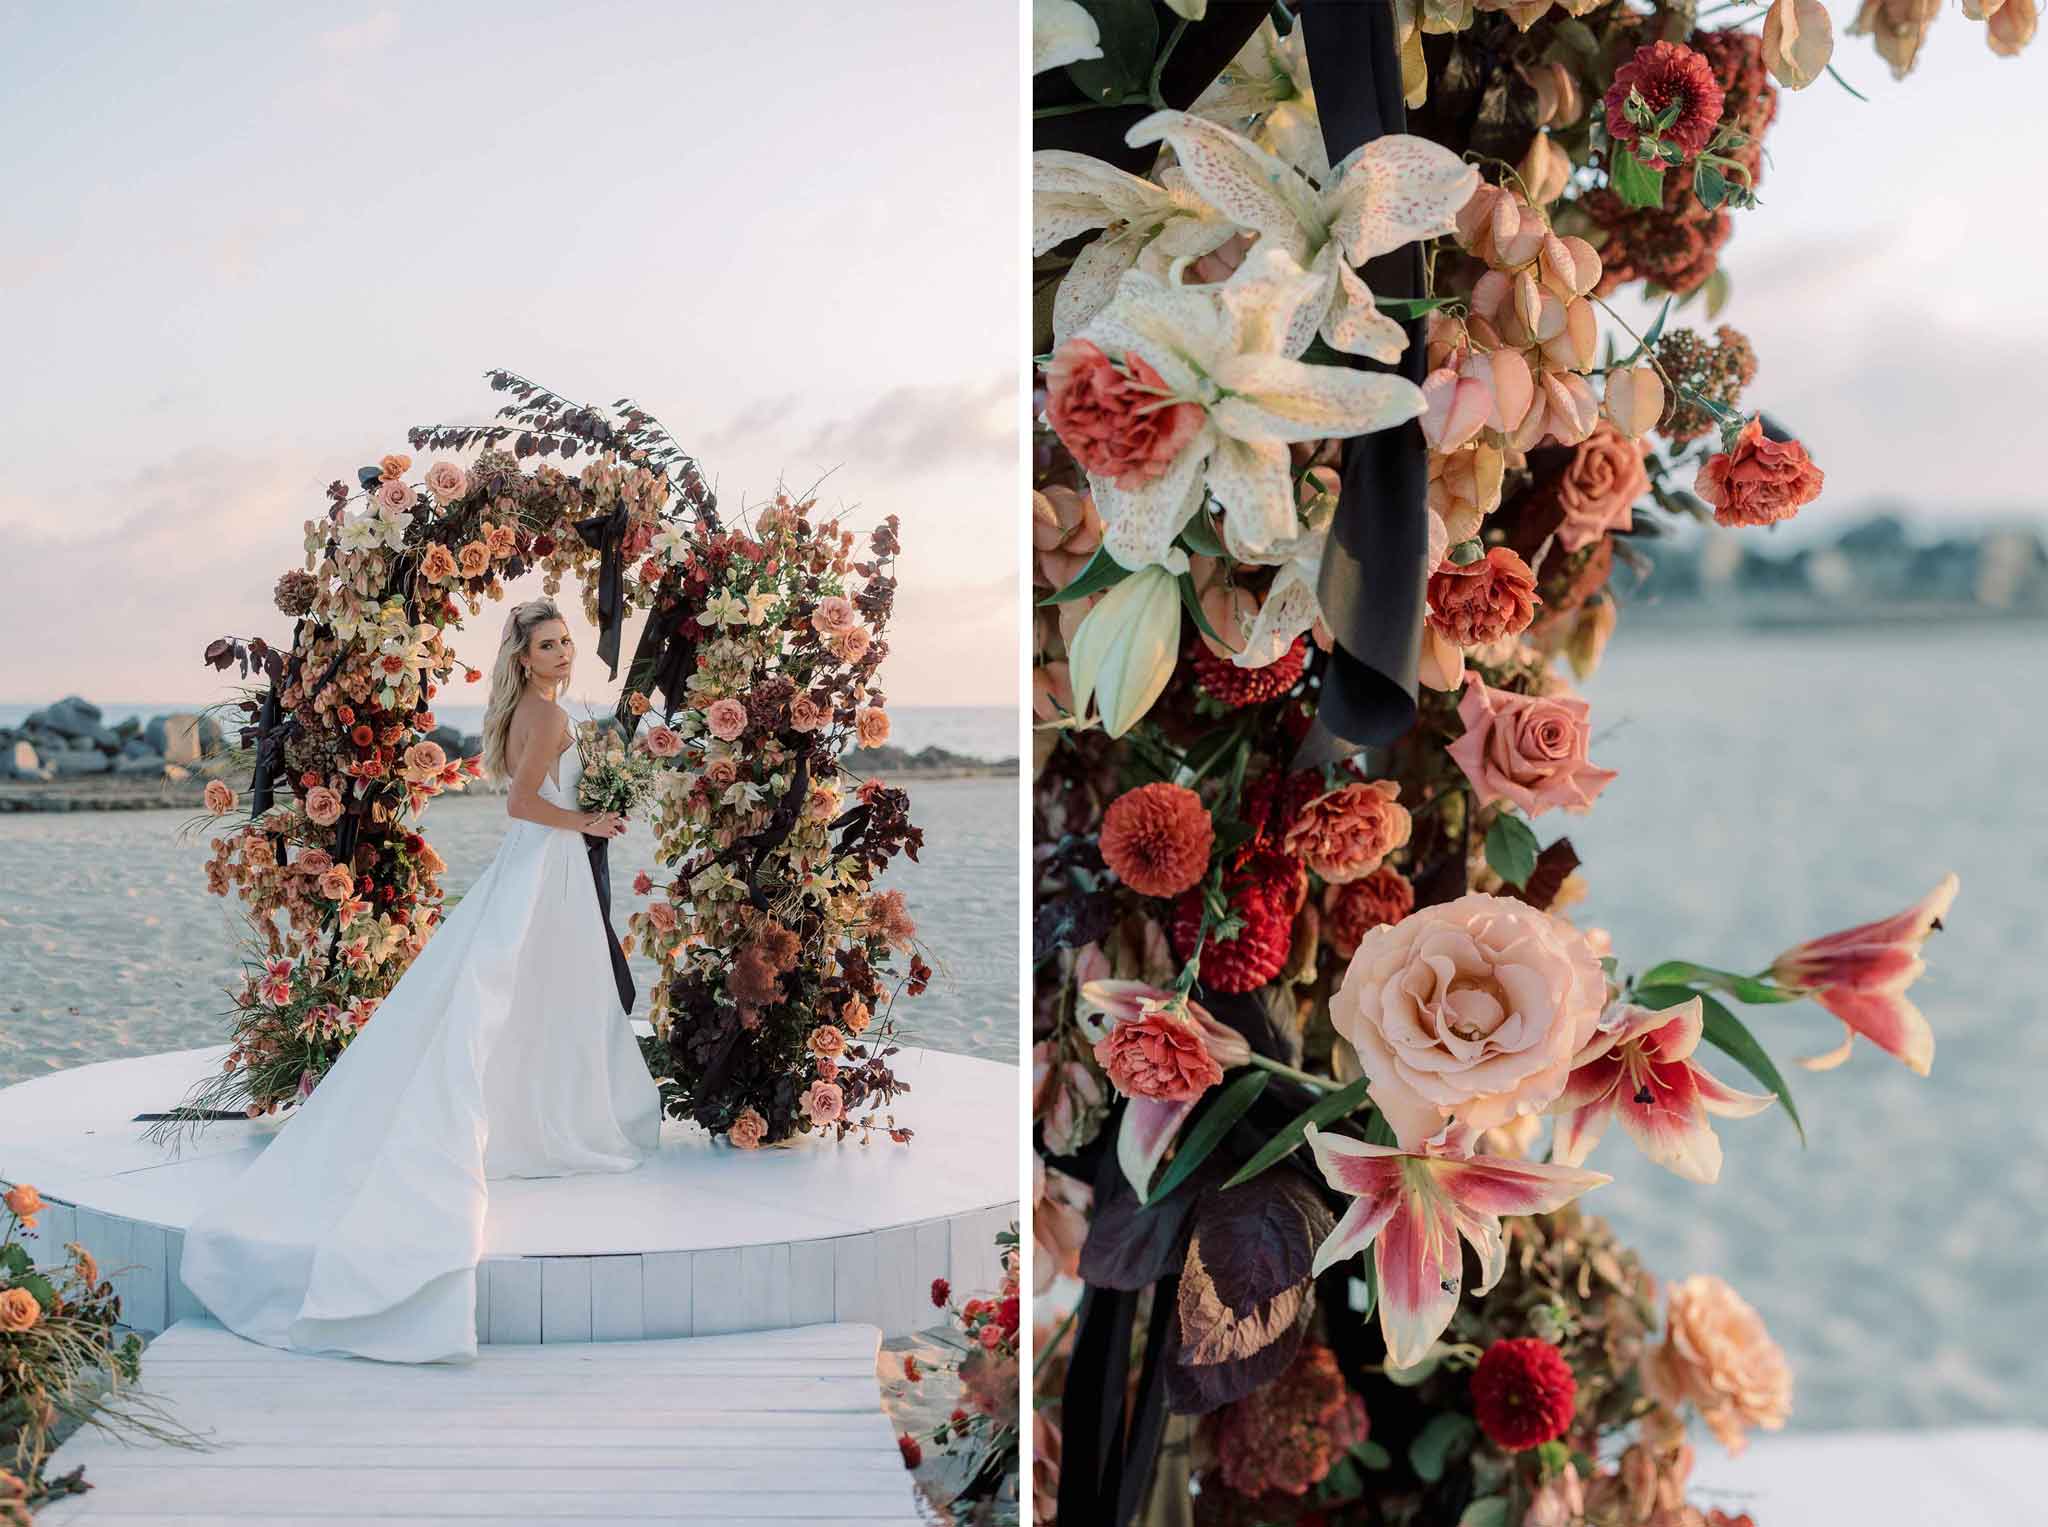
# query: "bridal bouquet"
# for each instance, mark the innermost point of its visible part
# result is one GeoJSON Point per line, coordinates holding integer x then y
{"type": "Point", "coordinates": [615, 777]}
{"type": "Point", "coordinates": [1306, 1012]}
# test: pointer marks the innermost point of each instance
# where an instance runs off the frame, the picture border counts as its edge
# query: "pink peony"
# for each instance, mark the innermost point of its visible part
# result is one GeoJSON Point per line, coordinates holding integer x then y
{"type": "Point", "coordinates": [823, 1102]}
{"type": "Point", "coordinates": [727, 719]}
{"type": "Point", "coordinates": [1529, 750]}
{"type": "Point", "coordinates": [447, 482]}
{"type": "Point", "coordinates": [663, 742]}
{"type": "Point", "coordinates": [1117, 421]}
{"type": "Point", "coordinates": [834, 614]}
{"type": "Point", "coordinates": [1472, 1009]}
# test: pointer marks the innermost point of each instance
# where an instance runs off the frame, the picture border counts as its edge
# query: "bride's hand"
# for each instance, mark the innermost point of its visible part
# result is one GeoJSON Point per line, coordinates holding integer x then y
{"type": "Point", "coordinates": [604, 824]}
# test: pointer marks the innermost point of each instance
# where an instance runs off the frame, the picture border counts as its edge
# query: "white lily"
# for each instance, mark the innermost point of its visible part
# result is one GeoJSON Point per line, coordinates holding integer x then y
{"type": "Point", "coordinates": [1062, 33]}
{"type": "Point", "coordinates": [1382, 195]}
{"type": "Point", "coordinates": [724, 609]}
{"type": "Point", "coordinates": [759, 603]}
{"type": "Point", "coordinates": [1290, 606]}
{"type": "Point", "coordinates": [1124, 650]}
{"type": "Point", "coordinates": [1231, 349]}
{"type": "Point", "coordinates": [670, 544]}
{"type": "Point", "coordinates": [1265, 92]}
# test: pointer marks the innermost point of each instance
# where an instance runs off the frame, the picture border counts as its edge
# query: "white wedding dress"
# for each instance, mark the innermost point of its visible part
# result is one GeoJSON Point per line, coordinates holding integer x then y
{"type": "Point", "coordinates": [502, 1052]}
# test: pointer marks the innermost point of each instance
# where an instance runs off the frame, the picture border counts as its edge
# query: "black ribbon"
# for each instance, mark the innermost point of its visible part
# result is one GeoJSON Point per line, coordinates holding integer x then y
{"type": "Point", "coordinates": [607, 532]}
{"type": "Point", "coordinates": [1376, 563]}
{"type": "Point", "coordinates": [599, 851]}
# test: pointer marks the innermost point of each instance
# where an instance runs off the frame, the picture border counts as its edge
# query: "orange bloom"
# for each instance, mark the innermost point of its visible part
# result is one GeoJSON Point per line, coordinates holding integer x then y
{"type": "Point", "coordinates": [1157, 838]}
{"type": "Point", "coordinates": [1345, 834]}
{"type": "Point", "coordinates": [1760, 481]}
{"type": "Point", "coordinates": [25, 1203]}
{"type": "Point", "coordinates": [747, 1130]}
{"type": "Point", "coordinates": [19, 1310]}
{"type": "Point", "coordinates": [474, 559]}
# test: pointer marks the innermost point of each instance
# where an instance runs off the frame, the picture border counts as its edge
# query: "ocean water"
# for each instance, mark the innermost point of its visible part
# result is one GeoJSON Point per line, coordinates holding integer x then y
{"type": "Point", "coordinates": [976, 731]}
{"type": "Point", "coordinates": [110, 946]}
{"type": "Point", "coordinates": [1774, 787]}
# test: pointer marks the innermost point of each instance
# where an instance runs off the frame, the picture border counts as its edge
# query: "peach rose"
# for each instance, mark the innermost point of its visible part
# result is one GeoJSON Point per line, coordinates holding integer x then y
{"type": "Point", "coordinates": [722, 773]}
{"type": "Point", "coordinates": [1491, 597]}
{"type": "Point", "coordinates": [826, 1041]}
{"type": "Point", "coordinates": [824, 1102]}
{"type": "Point", "coordinates": [1115, 419]}
{"type": "Point", "coordinates": [315, 862]}
{"type": "Point", "coordinates": [1718, 1357]}
{"type": "Point", "coordinates": [871, 725]}
{"type": "Point", "coordinates": [664, 742]}
{"type": "Point", "coordinates": [395, 496]}
{"type": "Point", "coordinates": [447, 482]}
{"type": "Point", "coordinates": [747, 1130]}
{"type": "Point", "coordinates": [1600, 487]}
{"type": "Point", "coordinates": [19, 1310]}
{"type": "Point", "coordinates": [804, 714]}
{"type": "Point", "coordinates": [474, 559]}
{"type": "Point", "coordinates": [834, 614]}
{"type": "Point", "coordinates": [503, 540]}
{"type": "Point", "coordinates": [425, 757]}
{"type": "Point", "coordinates": [1759, 482]}
{"type": "Point", "coordinates": [854, 1017]}
{"type": "Point", "coordinates": [663, 915]}
{"type": "Point", "coordinates": [220, 797]}
{"type": "Point", "coordinates": [337, 884]}
{"type": "Point", "coordinates": [1529, 750]}
{"type": "Point", "coordinates": [394, 466]}
{"type": "Point", "coordinates": [1472, 1009]}
{"type": "Point", "coordinates": [323, 806]}
{"type": "Point", "coordinates": [438, 565]}
{"type": "Point", "coordinates": [638, 703]}
{"type": "Point", "coordinates": [1345, 834]}
{"type": "Point", "coordinates": [828, 1070]}
{"type": "Point", "coordinates": [727, 719]}
{"type": "Point", "coordinates": [24, 1203]}
{"type": "Point", "coordinates": [850, 646]}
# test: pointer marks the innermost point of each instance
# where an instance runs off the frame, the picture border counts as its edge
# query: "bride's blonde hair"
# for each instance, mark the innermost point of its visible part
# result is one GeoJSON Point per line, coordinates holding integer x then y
{"type": "Point", "coordinates": [508, 681]}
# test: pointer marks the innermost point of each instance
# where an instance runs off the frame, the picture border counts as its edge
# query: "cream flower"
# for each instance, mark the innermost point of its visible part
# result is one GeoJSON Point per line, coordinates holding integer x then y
{"type": "Point", "coordinates": [1062, 33]}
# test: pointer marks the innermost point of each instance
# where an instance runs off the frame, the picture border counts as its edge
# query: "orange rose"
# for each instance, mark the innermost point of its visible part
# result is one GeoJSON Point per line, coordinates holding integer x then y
{"type": "Point", "coordinates": [1599, 489]}
{"type": "Point", "coordinates": [18, 1310]}
{"type": "Point", "coordinates": [220, 797]}
{"type": "Point", "coordinates": [474, 559]}
{"type": "Point", "coordinates": [871, 725]}
{"type": "Point", "coordinates": [396, 465]}
{"type": "Point", "coordinates": [24, 1202]}
{"type": "Point", "coordinates": [638, 703]}
{"type": "Point", "coordinates": [826, 1041]}
{"type": "Point", "coordinates": [337, 884]}
{"type": "Point", "coordinates": [439, 564]}
{"type": "Point", "coordinates": [855, 1017]}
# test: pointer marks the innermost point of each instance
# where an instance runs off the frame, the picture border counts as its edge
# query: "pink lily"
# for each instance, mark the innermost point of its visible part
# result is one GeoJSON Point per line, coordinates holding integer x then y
{"type": "Point", "coordinates": [1411, 1211]}
{"type": "Point", "coordinates": [1639, 1064]}
{"type": "Point", "coordinates": [1861, 975]}
{"type": "Point", "coordinates": [1151, 1122]}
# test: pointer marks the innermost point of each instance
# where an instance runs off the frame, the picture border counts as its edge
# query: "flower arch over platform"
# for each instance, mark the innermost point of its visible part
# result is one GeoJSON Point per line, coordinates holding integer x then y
{"type": "Point", "coordinates": [754, 674]}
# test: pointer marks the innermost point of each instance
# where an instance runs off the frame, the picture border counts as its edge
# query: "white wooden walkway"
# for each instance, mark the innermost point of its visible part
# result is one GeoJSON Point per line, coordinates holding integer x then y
{"type": "Point", "coordinates": [769, 1426]}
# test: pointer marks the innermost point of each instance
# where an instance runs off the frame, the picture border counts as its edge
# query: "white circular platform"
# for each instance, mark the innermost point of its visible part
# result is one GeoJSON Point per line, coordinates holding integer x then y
{"type": "Point", "coordinates": [701, 1240]}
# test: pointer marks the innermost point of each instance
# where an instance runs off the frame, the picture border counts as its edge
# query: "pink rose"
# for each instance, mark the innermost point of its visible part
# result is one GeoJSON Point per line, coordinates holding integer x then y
{"type": "Point", "coordinates": [337, 884]}
{"type": "Point", "coordinates": [722, 773]}
{"type": "Point", "coordinates": [1598, 490]}
{"type": "Point", "coordinates": [834, 614]}
{"type": "Point", "coordinates": [823, 1102]}
{"type": "Point", "coordinates": [447, 482]}
{"type": "Point", "coordinates": [663, 915]}
{"type": "Point", "coordinates": [394, 495]}
{"type": "Point", "coordinates": [323, 806]}
{"type": "Point", "coordinates": [663, 742]}
{"type": "Point", "coordinates": [850, 646]}
{"type": "Point", "coordinates": [727, 719]}
{"type": "Point", "coordinates": [747, 1130]}
{"type": "Point", "coordinates": [425, 758]}
{"type": "Point", "coordinates": [804, 714]}
{"type": "Point", "coordinates": [220, 797]}
{"type": "Point", "coordinates": [1471, 1010]}
{"type": "Point", "coordinates": [1117, 420]}
{"type": "Point", "coordinates": [871, 725]}
{"type": "Point", "coordinates": [315, 862]}
{"type": "Point", "coordinates": [1529, 750]}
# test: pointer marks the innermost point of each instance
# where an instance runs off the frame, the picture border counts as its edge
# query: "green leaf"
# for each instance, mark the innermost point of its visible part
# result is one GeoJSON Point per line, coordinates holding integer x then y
{"type": "Point", "coordinates": [1370, 1455]}
{"type": "Point", "coordinates": [1709, 185]}
{"type": "Point", "coordinates": [1717, 289]}
{"type": "Point", "coordinates": [1408, 307]}
{"type": "Point", "coordinates": [1490, 1511]}
{"type": "Point", "coordinates": [1511, 849]}
{"type": "Point", "coordinates": [15, 1260]}
{"type": "Point", "coordinates": [1636, 183]}
{"type": "Point", "coordinates": [1209, 1130]}
{"type": "Point", "coordinates": [1326, 1109]}
{"type": "Point", "coordinates": [1130, 36]}
{"type": "Point", "coordinates": [1432, 1449]}
{"type": "Point", "coordinates": [1726, 1032]}
{"type": "Point", "coordinates": [1193, 601]}
{"type": "Point", "coordinates": [1199, 536]}
{"type": "Point", "coordinates": [1342, 1483]}
{"type": "Point", "coordinates": [1752, 989]}
{"type": "Point", "coordinates": [1102, 572]}
{"type": "Point", "coordinates": [1208, 750]}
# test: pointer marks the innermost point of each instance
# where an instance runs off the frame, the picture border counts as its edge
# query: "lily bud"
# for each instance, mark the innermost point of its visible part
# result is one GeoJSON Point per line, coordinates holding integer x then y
{"type": "Point", "coordinates": [1124, 652]}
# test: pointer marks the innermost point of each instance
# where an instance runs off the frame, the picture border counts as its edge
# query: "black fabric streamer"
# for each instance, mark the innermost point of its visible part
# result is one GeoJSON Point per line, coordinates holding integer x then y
{"type": "Point", "coordinates": [1376, 564]}
{"type": "Point", "coordinates": [600, 852]}
{"type": "Point", "coordinates": [607, 532]}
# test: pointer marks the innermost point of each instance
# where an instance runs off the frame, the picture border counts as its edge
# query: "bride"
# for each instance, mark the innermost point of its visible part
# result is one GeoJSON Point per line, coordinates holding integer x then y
{"type": "Point", "coordinates": [503, 1051]}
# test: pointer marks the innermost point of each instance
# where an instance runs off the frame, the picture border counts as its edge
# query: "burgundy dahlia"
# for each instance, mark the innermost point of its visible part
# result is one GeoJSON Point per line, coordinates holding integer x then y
{"type": "Point", "coordinates": [1236, 687]}
{"type": "Point", "coordinates": [1664, 74]}
{"type": "Point", "coordinates": [1266, 891]}
{"type": "Point", "coordinates": [1523, 1393]}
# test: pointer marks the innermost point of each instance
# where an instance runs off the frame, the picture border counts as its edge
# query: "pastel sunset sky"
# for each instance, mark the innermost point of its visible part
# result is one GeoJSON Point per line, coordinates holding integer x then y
{"type": "Point", "coordinates": [245, 245]}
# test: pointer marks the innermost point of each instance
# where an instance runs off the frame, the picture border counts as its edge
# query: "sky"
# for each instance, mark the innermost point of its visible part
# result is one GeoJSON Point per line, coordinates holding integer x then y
{"type": "Point", "coordinates": [245, 245]}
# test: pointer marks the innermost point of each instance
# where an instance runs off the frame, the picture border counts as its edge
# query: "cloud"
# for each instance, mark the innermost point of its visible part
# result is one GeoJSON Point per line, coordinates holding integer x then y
{"type": "Point", "coordinates": [372, 34]}
{"type": "Point", "coordinates": [911, 429]}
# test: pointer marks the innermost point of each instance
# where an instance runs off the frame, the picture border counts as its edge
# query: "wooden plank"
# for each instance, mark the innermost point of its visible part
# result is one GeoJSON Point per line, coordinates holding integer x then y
{"type": "Point", "coordinates": [665, 1294]}
{"type": "Point", "coordinates": [515, 1300]}
{"type": "Point", "coordinates": [810, 1282]}
{"type": "Point", "coordinates": [616, 1299]}
{"type": "Point", "coordinates": [764, 1288]}
{"type": "Point", "coordinates": [717, 1303]}
{"type": "Point", "coordinates": [564, 1299]}
{"type": "Point", "coordinates": [856, 1286]}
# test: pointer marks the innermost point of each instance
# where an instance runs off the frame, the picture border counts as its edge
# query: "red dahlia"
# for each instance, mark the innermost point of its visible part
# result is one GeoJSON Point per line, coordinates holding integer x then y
{"type": "Point", "coordinates": [1157, 838]}
{"type": "Point", "coordinates": [1266, 892]}
{"type": "Point", "coordinates": [1523, 1393]}
{"type": "Point", "coordinates": [1664, 74]}
{"type": "Point", "coordinates": [1237, 687]}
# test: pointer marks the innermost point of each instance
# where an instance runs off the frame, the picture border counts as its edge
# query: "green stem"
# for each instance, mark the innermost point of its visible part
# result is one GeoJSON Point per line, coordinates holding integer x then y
{"type": "Point", "coordinates": [1159, 64]}
{"type": "Point", "coordinates": [1076, 107]}
{"type": "Point", "coordinates": [1320, 1083]}
{"type": "Point", "coordinates": [1053, 1345]}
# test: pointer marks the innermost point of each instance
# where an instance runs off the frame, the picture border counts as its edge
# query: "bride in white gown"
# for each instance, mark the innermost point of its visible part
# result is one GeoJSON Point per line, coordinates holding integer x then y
{"type": "Point", "coordinates": [503, 1051]}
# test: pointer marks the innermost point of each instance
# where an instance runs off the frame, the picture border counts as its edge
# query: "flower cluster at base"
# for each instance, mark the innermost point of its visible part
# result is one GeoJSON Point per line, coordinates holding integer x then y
{"type": "Point", "coordinates": [755, 673]}
{"type": "Point", "coordinates": [65, 1360]}
{"type": "Point", "coordinates": [1300, 1027]}
{"type": "Point", "coordinates": [982, 1429]}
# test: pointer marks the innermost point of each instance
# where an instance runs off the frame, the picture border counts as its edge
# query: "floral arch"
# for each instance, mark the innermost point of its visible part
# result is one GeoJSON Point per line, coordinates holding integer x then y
{"type": "Point", "coordinates": [754, 673]}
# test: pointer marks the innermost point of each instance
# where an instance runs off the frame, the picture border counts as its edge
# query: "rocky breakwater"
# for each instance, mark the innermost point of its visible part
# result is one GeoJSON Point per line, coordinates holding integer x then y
{"type": "Point", "coordinates": [65, 757]}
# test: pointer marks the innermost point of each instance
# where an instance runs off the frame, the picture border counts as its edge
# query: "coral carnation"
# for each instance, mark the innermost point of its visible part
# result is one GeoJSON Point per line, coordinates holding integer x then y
{"type": "Point", "coordinates": [1161, 1054]}
{"type": "Point", "coordinates": [1760, 481]}
{"type": "Point", "coordinates": [1523, 1393]}
{"type": "Point", "coordinates": [1345, 834]}
{"type": "Point", "coordinates": [1224, 681]}
{"type": "Point", "coordinates": [1664, 73]}
{"type": "Point", "coordinates": [1116, 420]}
{"type": "Point", "coordinates": [1488, 598]}
{"type": "Point", "coordinates": [1157, 838]}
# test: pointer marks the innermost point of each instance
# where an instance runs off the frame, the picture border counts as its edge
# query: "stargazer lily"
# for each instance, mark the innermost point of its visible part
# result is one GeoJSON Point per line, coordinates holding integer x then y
{"type": "Point", "coordinates": [1861, 975]}
{"type": "Point", "coordinates": [1151, 1123]}
{"type": "Point", "coordinates": [1412, 1211]}
{"type": "Point", "coordinates": [1639, 1064]}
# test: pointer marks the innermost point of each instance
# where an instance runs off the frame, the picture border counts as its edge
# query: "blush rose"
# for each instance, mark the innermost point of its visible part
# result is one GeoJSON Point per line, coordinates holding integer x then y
{"type": "Point", "coordinates": [1528, 750]}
